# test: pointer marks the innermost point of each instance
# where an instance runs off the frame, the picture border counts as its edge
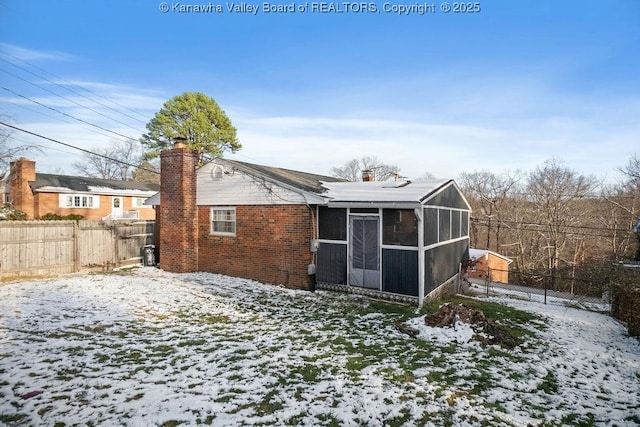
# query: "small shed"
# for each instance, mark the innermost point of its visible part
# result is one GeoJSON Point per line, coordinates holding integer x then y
{"type": "Point", "coordinates": [485, 264]}
{"type": "Point", "coordinates": [395, 239]}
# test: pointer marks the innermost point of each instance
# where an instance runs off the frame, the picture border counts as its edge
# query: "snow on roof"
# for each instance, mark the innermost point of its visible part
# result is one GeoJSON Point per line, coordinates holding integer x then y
{"type": "Point", "coordinates": [381, 191]}
{"type": "Point", "coordinates": [97, 190]}
{"type": "Point", "coordinates": [478, 253]}
{"type": "Point", "coordinates": [123, 192]}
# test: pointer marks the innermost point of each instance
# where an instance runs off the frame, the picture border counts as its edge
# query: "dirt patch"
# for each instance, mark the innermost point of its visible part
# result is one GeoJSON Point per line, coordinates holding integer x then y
{"type": "Point", "coordinates": [486, 330]}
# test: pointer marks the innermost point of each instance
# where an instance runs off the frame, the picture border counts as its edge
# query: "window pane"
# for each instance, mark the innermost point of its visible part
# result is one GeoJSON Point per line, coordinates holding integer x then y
{"type": "Point", "coordinates": [400, 227]}
{"type": "Point", "coordinates": [430, 226]}
{"type": "Point", "coordinates": [76, 201]}
{"type": "Point", "coordinates": [332, 223]}
{"type": "Point", "coordinates": [223, 221]}
{"type": "Point", "coordinates": [465, 224]}
{"type": "Point", "coordinates": [445, 224]}
{"type": "Point", "coordinates": [455, 224]}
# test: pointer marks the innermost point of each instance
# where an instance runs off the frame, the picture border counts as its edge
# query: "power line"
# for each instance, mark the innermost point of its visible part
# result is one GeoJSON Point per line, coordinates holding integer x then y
{"type": "Point", "coordinates": [33, 110]}
{"type": "Point", "coordinates": [69, 100]}
{"type": "Point", "coordinates": [66, 81]}
{"type": "Point", "coordinates": [78, 148]}
{"type": "Point", "coordinates": [73, 91]}
{"type": "Point", "coordinates": [586, 227]}
{"type": "Point", "coordinates": [66, 114]}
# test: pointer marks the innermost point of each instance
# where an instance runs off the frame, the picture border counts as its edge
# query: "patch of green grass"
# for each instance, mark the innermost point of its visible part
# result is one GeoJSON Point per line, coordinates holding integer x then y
{"type": "Point", "coordinates": [634, 418]}
{"type": "Point", "coordinates": [172, 423]}
{"type": "Point", "coordinates": [11, 418]}
{"type": "Point", "coordinates": [137, 396]}
{"type": "Point", "coordinates": [574, 419]}
{"type": "Point", "coordinates": [296, 420]}
{"type": "Point", "coordinates": [356, 363]}
{"type": "Point", "coordinates": [192, 343]}
{"type": "Point", "coordinates": [44, 410]}
{"type": "Point", "coordinates": [68, 374]}
{"type": "Point", "coordinates": [400, 420]}
{"type": "Point", "coordinates": [549, 383]}
{"type": "Point", "coordinates": [329, 420]}
{"type": "Point", "coordinates": [162, 350]}
{"type": "Point", "coordinates": [309, 373]}
{"type": "Point", "coordinates": [268, 405]}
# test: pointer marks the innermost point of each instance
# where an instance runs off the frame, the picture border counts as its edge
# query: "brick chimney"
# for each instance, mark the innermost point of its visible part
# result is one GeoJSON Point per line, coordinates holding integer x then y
{"type": "Point", "coordinates": [178, 213]}
{"type": "Point", "coordinates": [367, 175]}
{"type": "Point", "coordinates": [20, 173]}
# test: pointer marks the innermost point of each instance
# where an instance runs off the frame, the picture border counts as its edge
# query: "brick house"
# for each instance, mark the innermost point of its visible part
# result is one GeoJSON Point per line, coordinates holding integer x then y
{"type": "Point", "coordinates": [487, 264]}
{"type": "Point", "coordinates": [37, 194]}
{"type": "Point", "coordinates": [303, 230]}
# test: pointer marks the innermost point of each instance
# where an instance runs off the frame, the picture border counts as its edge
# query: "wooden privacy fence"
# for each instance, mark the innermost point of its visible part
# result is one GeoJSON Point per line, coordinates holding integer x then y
{"type": "Point", "coordinates": [35, 248]}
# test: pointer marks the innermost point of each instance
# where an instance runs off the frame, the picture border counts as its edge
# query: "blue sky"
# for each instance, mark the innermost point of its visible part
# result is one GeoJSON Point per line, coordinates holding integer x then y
{"type": "Point", "coordinates": [502, 89]}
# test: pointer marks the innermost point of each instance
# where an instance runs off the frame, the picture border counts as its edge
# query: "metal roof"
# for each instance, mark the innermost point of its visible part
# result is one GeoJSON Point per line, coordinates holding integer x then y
{"type": "Point", "coordinates": [382, 191]}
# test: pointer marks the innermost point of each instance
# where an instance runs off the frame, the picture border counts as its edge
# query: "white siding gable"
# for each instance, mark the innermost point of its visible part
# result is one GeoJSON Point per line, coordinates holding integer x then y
{"type": "Point", "coordinates": [222, 187]}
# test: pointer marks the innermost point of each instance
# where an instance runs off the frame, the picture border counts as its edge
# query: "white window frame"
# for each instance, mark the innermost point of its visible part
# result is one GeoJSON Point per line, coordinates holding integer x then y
{"type": "Point", "coordinates": [138, 202]}
{"type": "Point", "coordinates": [213, 220]}
{"type": "Point", "coordinates": [79, 201]}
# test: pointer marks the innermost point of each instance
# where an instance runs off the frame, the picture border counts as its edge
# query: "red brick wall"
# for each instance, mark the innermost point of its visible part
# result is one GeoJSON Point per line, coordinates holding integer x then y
{"type": "Point", "coordinates": [177, 212]}
{"type": "Point", "coordinates": [21, 172]}
{"type": "Point", "coordinates": [271, 245]}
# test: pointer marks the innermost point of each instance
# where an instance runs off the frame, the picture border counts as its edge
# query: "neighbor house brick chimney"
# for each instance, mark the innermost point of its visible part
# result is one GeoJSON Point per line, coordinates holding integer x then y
{"type": "Point", "coordinates": [367, 175]}
{"type": "Point", "coordinates": [20, 173]}
{"type": "Point", "coordinates": [178, 214]}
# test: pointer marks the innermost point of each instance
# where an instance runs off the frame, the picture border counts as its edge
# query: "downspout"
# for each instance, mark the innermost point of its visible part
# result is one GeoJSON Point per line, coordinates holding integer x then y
{"type": "Point", "coordinates": [419, 216]}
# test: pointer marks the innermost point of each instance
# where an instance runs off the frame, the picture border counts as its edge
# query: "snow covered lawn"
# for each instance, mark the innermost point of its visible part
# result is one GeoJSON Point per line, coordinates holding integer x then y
{"type": "Point", "coordinates": [147, 347]}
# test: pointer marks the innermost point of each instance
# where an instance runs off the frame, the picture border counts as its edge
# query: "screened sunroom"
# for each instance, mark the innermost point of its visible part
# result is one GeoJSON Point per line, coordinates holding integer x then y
{"type": "Point", "coordinates": [397, 240]}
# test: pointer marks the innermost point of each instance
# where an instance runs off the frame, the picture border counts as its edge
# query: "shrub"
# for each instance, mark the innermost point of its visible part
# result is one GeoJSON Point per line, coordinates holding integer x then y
{"type": "Point", "coordinates": [9, 213]}
{"type": "Point", "coordinates": [55, 217]}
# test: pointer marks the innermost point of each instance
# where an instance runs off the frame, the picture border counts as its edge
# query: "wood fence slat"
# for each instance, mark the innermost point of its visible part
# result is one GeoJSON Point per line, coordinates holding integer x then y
{"type": "Point", "coordinates": [52, 247]}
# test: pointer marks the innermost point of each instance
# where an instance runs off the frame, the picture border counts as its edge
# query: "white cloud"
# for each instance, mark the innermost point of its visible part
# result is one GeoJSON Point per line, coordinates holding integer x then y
{"type": "Point", "coordinates": [24, 54]}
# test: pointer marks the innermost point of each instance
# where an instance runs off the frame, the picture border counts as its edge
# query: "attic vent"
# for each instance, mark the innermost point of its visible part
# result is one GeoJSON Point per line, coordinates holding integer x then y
{"type": "Point", "coordinates": [217, 172]}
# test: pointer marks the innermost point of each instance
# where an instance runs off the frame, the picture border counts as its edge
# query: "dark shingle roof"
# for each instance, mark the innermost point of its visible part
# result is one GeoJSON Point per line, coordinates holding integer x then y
{"type": "Point", "coordinates": [302, 180]}
{"type": "Point", "coordinates": [82, 183]}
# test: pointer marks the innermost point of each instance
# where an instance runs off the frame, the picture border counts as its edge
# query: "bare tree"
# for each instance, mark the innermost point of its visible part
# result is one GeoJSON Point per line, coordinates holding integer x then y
{"type": "Point", "coordinates": [427, 176]}
{"type": "Point", "coordinates": [117, 161]}
{"type": "Point", "coordinates": [632, 169]}
{"type": "Point", "coordinates": [556, 191]}
{"type": "Point", "coordinates": [352, 170]}
{"type": "Point", "coordinates": [489, 195]}
{"type": "Point", "coordinates": [9, 150]}
{"type": "Point", "coordinates": [147, 171]}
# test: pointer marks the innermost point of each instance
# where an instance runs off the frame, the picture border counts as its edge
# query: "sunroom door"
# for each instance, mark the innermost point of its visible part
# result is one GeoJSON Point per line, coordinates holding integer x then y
{"type": "Point", "coordinates": [364, 252]}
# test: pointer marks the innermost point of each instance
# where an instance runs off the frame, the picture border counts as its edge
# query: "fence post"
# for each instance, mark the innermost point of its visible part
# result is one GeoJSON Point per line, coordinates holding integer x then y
{"type": "Point", "coordinates": [488, 280]}
{"type": "Point", "coordinates": [116, 241]}
{"type": "Point", "coordinates": [76, 247]}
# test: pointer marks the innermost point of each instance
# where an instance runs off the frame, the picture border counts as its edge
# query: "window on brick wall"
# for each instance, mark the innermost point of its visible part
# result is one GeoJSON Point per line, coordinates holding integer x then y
{"type": "Point", "coordinates": [82, 201]}
{"type": "Point", "coordinates": [223, 221]}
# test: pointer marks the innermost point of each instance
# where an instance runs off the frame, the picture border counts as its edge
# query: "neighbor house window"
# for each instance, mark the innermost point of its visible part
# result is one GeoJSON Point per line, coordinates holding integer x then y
{"type": "Point", "coordinates": [223, 221]}
{"type": "Point", "coordinates": [79, 201]}
{"type": "Point", "coordinates": [138, 202]}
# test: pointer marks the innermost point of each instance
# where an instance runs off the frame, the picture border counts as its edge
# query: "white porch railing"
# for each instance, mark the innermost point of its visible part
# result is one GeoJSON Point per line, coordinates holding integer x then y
{"type": "Point", "coordinates": [126, 215]}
